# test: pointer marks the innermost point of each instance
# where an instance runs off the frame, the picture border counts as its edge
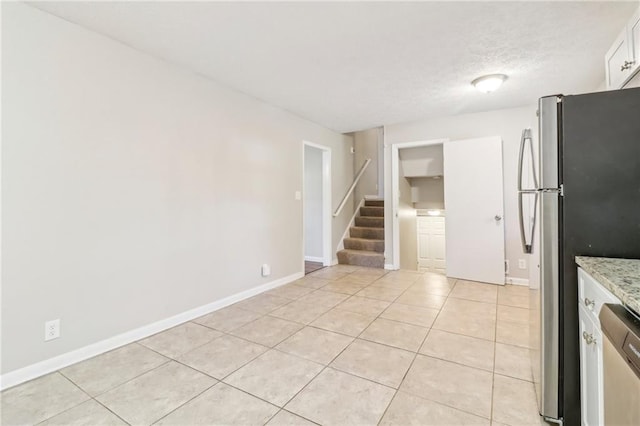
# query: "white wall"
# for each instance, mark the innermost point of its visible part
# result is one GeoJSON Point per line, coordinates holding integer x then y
{"type": "Point", "coordinates": [367, 144]}
{"type": "Point", "coordinates": [422, 161]}
{"type": "Point", "coordinates": [407, 226]}
{"type": "Point", "coordinates": [133, 190]}
{"type": "Point", "coordinates": [427, 193]}
{"type": "Point", "coordinates": [507, 123]}
{"type": "Point", "coordinates": [313, 203]}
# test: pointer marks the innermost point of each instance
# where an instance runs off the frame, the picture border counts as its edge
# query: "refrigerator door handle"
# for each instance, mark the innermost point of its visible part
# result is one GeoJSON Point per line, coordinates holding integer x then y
{"type": "Point", "coordinates": [527, 248]}
{"type": "Point", "coordinates": [526, 136]}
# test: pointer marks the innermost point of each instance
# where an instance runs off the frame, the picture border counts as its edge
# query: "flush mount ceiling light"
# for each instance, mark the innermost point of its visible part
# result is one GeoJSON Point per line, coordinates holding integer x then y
{"type": "Point", "coordinates": [489, 83]}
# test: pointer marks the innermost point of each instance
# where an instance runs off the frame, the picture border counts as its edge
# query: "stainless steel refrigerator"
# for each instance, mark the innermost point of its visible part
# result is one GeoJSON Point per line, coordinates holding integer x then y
{"type": "Point", "coordinates": [580, 195]}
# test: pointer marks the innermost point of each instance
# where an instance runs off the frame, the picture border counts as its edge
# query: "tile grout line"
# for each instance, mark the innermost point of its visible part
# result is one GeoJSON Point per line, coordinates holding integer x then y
{"type": "Point", "coordinates": [324, 367]}
{"type": "Point", "coordinates": [70, 408]}
{"type": "Point", "coordinates": [229, 374]}
{"type": "Point", "coordinates": [410, 365]}
{"type": "Point", "coordinates": [494, 354]}
{"type": "Point", "coordinates": [294, 414]}
{"type": "Point", "coordinates": [401, 283]}
{"type": "Point", "coordinates": [359, 337]}
{"type": "Point", "coordinates": [111, 411]}
{"type": "Point", "coordinates": [412, 361]}
{"type": "Point", "coordinates": [493, 373]}
{"type": "Point", "coordinates": [167, 360]}
{"type": "Point", "coordinates": [441, 403]}
{"type": "Point", "coordinates": [188, 401]}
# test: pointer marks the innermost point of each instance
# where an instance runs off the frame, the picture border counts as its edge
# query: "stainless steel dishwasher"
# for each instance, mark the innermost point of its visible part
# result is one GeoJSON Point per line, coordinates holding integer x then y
{"type": "Point", "coordinates": [621, 366]}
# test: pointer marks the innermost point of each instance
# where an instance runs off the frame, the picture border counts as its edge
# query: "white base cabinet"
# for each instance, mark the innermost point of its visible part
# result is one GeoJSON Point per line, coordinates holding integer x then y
{"type": "Point", "coordinates": [592, 296]}
{"type": "Point", "coordinates": [590, 370]}
{"type": "Point", "coordinates": [431, 244]}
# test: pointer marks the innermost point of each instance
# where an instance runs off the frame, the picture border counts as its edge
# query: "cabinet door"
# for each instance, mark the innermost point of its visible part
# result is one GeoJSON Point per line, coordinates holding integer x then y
{"type": "Point", "coordinates": [615, 61]}
{"type": "Point", "coordinates": [590, 370]}
{"type": "Point", "coordinates": [431, 244]}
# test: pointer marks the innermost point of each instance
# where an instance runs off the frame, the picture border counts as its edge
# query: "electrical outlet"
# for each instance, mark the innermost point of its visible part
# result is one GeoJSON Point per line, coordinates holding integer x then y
{"type": "Point", "coordinates": [51, 330]}
{"type": "Point", "coordinates": [522, 264]}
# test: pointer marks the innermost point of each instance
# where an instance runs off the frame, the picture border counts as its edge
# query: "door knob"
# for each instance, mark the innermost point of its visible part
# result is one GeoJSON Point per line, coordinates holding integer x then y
{"type": "Point", "coordinates": [589, 303]}
{"type": "Point", "coordinates": [498, 218]}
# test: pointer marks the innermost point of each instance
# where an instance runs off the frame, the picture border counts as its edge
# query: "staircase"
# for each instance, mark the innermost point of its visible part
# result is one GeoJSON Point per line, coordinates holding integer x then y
{"type": "Point", "coordinates": [365, 245]}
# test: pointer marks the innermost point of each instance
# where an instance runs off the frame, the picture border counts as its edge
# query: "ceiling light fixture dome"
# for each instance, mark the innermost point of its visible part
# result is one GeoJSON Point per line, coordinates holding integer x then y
{"type": "Point", "coordinates": [489, 83]}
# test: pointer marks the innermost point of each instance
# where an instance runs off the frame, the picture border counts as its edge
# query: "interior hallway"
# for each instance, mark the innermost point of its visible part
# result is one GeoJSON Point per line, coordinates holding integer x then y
{"type": "Point", "coordinates": [343, 345]}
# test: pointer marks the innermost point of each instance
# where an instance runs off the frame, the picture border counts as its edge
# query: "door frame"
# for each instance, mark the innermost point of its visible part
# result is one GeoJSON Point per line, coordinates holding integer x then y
{"type": "Point", "coordinates": [395, 191]}
{"type": "Point", "coordinates": [326, 202]}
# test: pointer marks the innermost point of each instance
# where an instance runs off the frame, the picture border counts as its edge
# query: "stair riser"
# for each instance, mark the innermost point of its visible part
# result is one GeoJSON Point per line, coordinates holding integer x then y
{"type": "Point", "coordinates": [373, 234]}
{"type": "Point", "coordinates": [377, 246]}
{"type": "Point", "coordinates": [355, 259]}
{"type": "Point", "coordinates": [374, 203]}
{"type": "Point", "coordinates": [370, 222]}
{"type": "Point", "coordinates": [372, 211]}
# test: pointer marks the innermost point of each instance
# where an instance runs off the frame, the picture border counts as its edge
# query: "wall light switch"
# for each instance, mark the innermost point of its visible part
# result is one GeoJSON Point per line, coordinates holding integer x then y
{"type": "Point", "coordinates": [266, 270]}
{"type": "Point", "coordinates": [298, 195]}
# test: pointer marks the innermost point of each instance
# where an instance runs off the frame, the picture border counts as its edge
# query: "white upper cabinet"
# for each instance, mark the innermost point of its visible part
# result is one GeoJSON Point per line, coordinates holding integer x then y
{"type": "Point", "coordinates": [616, 62]}
{"type": "Point", "coordinates": [634, 38]}
{"type": "Point", "coordinates": [622, 60]}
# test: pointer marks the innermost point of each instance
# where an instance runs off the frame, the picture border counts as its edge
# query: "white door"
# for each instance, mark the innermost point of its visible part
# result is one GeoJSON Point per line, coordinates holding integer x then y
{"type": "Point", "coordinates": [431, 244]}
{"type": "Point", "coordinates": [474, 206]}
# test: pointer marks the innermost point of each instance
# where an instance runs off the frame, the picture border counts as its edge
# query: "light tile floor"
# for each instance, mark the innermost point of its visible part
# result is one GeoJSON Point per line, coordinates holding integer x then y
{"type": "Point", "coordinates": [341, 346]}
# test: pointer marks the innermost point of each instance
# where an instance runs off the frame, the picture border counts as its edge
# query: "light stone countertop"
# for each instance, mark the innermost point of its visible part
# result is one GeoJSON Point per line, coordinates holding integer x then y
{"type": "Point", "coordinates": [620, 276]}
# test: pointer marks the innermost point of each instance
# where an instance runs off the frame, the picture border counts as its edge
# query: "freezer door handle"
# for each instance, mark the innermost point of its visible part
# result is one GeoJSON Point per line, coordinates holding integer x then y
{"type": "Point", "coordinates": [527, 247]}
{"type": "Point", "coordinates": [526, 144]}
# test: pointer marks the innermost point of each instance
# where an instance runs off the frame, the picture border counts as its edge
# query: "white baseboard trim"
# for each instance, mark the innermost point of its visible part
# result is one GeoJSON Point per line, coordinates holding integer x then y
{"type": "Point", "coordinates": [334, 261]}
{"type": "Point", "coordinates": [41, 368]}
{"type": "Point", "coordinates": [314, 259]}
{"type": "Point", "coordinates": [516, 281]}
{"type": "Point", "coordinates": [389, 267]}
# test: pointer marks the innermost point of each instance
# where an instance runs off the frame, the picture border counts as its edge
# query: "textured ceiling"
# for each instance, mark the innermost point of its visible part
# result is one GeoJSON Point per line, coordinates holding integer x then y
{"type": "Point", "coordinates": [352, 66]}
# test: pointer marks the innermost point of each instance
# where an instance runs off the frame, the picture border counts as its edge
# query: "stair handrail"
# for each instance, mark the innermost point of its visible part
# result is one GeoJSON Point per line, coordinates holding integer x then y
{"type": "Point", "coordinates": [352, 187]}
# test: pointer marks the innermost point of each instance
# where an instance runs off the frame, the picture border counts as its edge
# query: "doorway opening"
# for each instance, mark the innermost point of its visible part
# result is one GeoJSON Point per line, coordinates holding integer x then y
{"type": "Point", "coordinates": [316, 160]}
{"type": "Point", "coordinates": [472, 186]}
{"type": "Point", "coordinates": [418, 181]}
